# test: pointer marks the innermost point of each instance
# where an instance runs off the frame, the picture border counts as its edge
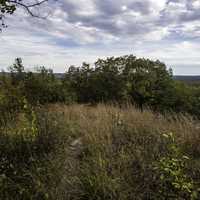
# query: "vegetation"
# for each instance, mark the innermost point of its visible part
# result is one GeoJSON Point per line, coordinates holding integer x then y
{"type": "Point", "coordinates": [104, 132]}
{"type": "Point", "coordinates": [101, 152]}
{"type": "Point", "coordinates": [142, 82]}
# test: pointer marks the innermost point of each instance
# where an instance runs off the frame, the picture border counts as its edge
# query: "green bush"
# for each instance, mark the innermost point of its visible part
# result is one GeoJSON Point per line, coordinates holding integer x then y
{"type": "Point", "coordinates": [175, 183]}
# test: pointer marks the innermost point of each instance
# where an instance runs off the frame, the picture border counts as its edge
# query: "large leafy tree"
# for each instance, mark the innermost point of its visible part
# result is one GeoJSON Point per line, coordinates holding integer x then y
{"type": "Point", "coordinates": [79, 81]}
{"type": "Point", "coordinates": [148, 82]}
{"type": "Point", "coordinates": [43, 87]}
{"type": "Point", "coordinates": [109, 81]}
{"type": "Point", "coordinates": [101, 83]}
{"type": "Point", "coordinates": [8, 7]}
{"type": "Point", "coordinates": [144, 82]}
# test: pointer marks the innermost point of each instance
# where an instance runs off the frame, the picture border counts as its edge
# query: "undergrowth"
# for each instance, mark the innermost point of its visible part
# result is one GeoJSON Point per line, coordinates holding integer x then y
{"type": "Point", "coordinates": [80, 152]}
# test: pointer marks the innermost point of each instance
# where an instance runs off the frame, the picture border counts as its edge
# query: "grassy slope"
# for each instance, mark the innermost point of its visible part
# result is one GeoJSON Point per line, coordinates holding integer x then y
{"type": "Point", "coordinates": [102, 152]}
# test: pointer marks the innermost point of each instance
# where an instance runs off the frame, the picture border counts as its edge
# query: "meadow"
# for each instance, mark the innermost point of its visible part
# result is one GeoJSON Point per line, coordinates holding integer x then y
{"type": "Point", "coordinates": [119, 128]}
{"type": "Point", "coordinates": [99, 152]}
{"type": "Point", "coordinates": [122, 129]}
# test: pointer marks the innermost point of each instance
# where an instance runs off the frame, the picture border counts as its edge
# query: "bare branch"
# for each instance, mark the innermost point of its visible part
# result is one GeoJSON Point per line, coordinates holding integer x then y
{"type": "Point", "coordinates": [17, 2]}
{"type": "Point", "coordinates": [28, 7]}
{"type": "Point", "coordinates": [9, 7]}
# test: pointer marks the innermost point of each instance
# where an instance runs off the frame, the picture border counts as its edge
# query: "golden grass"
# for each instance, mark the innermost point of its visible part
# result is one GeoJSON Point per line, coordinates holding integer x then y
{"type": "Point", "coordinates": [108, 152]}
{"type": "Point", "coordinates": [116, 148]}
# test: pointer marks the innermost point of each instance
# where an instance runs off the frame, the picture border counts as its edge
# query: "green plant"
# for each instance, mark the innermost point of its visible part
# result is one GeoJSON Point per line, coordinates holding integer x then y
{"type": "Point", "coordinates": [173, 173]}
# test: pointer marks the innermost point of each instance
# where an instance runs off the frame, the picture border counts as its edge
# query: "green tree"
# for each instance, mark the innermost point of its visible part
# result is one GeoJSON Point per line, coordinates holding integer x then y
{"type": "Point", "coordinates": [143, 81]}
{"type": "Point", "coordinates": [77, 80]}
{"type": "Point", "coordinates": [43, 87]}
{"type": "Point", "coordinates": [147, 82]}
{"type": "Point", "coordinates": [101, 83]}
{"type": "Point", "coordinates": [109, 79]}
{"type": "Point", "coordinates": [17, 72]}
{"type": "Point", "coordinates": [39, 87]}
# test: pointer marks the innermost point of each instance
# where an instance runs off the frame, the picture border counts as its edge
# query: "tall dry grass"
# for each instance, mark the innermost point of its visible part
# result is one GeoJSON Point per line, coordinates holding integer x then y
{"type": "Point", "coordinates": [101, 152]}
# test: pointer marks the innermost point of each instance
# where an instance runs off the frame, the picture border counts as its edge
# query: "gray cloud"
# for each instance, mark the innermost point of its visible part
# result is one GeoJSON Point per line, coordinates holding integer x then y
{"type": "Point", "coordinates": [106, 26]}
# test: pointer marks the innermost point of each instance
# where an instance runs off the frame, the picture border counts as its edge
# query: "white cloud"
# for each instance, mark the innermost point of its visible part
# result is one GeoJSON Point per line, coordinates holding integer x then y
{"type": "Point", "coordinates": [84, 30]}
{"type": "Point", "coordinates": [196, 4]}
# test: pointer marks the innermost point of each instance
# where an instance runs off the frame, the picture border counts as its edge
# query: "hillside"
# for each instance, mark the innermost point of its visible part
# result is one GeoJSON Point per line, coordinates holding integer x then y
{"type": "Point", "coordinates": [188, 79]}
{"type": "Point", "coordinates": [176, 77]}
{"type": "Point", "coordinates": [102, 152]}
{"type": "Point", "coordinates": [123, 130]}
{"type": "Point", "coordinates": [185, 78]}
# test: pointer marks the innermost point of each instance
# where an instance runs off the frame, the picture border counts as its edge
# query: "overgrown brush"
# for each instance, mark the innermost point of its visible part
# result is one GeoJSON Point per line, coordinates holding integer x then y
{"type": "Point", "coordinates": [103, 152]}
{"type": "Point", "coordinates": [28, 150]}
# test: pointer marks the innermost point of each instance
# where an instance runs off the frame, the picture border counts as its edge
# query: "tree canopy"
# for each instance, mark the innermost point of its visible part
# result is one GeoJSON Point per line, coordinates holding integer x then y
{"type": "Point", "coordinates": [139, 81]}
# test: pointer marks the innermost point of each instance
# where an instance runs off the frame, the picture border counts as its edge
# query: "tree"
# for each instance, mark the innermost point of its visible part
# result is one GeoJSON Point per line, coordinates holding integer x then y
{"type": "Point", "coordinates": [143, 81]}
{"type": "Point", "coordinates": [109, 83]}
{"type": "Point", "coordinates": [39, 87]}
{"type": "Point", "coordinates": [43, 87]}
{"type": "Point", "coordinates": [78, 81]}
{"type": "Point", "coordinates": [8, 7]}
{"type": "Point", "coordinates": [17, 72]}
{"type": "Point", "coordinates": [11, 96]}
{"type": "Point", "coordinates": [147, 81]}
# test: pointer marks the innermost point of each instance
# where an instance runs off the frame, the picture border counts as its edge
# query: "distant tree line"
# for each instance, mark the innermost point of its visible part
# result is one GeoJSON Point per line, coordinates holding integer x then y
{"type": "Point", "coordinates": [139, 81]}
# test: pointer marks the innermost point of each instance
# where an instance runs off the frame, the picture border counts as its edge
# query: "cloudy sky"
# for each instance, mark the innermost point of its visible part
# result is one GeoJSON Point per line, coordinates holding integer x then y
{"type": "Point", "coordinates": [84, 30]}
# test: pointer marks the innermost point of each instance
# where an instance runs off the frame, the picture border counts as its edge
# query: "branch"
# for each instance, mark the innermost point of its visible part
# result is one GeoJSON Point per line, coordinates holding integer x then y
{"type": "Point", "coordinates": [28, 7]}
{"type": "Point", "coordinates": [18, 2]}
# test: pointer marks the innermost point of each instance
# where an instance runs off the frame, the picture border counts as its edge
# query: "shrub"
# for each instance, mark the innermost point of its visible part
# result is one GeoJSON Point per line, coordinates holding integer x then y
{"type": "Point", "coordinates": [175, 183]}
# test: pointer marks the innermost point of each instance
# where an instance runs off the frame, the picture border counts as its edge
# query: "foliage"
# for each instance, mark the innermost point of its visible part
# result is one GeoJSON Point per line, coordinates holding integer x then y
{"type": "Point", "coordinates": [8, 7]}
{"type": "Point", "coordinates": [142, 82]}
{"type": "Point", "coordinates": [5, 8]}
{"type": "Point", "coordinates": [175, 184]}
{"type": "Point", "coordinates": [27, 149]}
{"type": "Point", "coordinates": [119, 79]}
{"type": "Point", "coordinates": [43, 87]}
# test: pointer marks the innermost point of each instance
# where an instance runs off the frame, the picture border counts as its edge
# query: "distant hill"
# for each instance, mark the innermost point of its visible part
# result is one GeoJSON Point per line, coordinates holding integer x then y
{"type": "Point", "coordinates": [187, 78]}
{"type": "Point", "coordinates": [178, 77]}
{"type": "Point", "coordinates": [190, 79]}
{"type": "Point", "coordinates": [59, 75]}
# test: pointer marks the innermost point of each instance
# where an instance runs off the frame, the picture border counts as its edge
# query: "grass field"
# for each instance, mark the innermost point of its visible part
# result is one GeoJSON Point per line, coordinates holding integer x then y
{"type": "Point", "coordinates": [77, 152]}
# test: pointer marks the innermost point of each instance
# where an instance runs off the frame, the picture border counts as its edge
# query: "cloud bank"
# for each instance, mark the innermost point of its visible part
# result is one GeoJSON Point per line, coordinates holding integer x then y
{"type": "Point", "coordinates": [84, 30]}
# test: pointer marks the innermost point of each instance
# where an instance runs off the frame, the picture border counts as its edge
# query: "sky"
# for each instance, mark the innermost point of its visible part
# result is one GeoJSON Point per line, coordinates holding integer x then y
{"type": "Point", "coordinates": [75, 31]}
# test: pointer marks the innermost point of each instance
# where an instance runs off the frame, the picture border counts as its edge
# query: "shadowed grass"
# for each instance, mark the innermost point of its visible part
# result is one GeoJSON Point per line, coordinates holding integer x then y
{"type": "Point", "coordinates": [102, 152]}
